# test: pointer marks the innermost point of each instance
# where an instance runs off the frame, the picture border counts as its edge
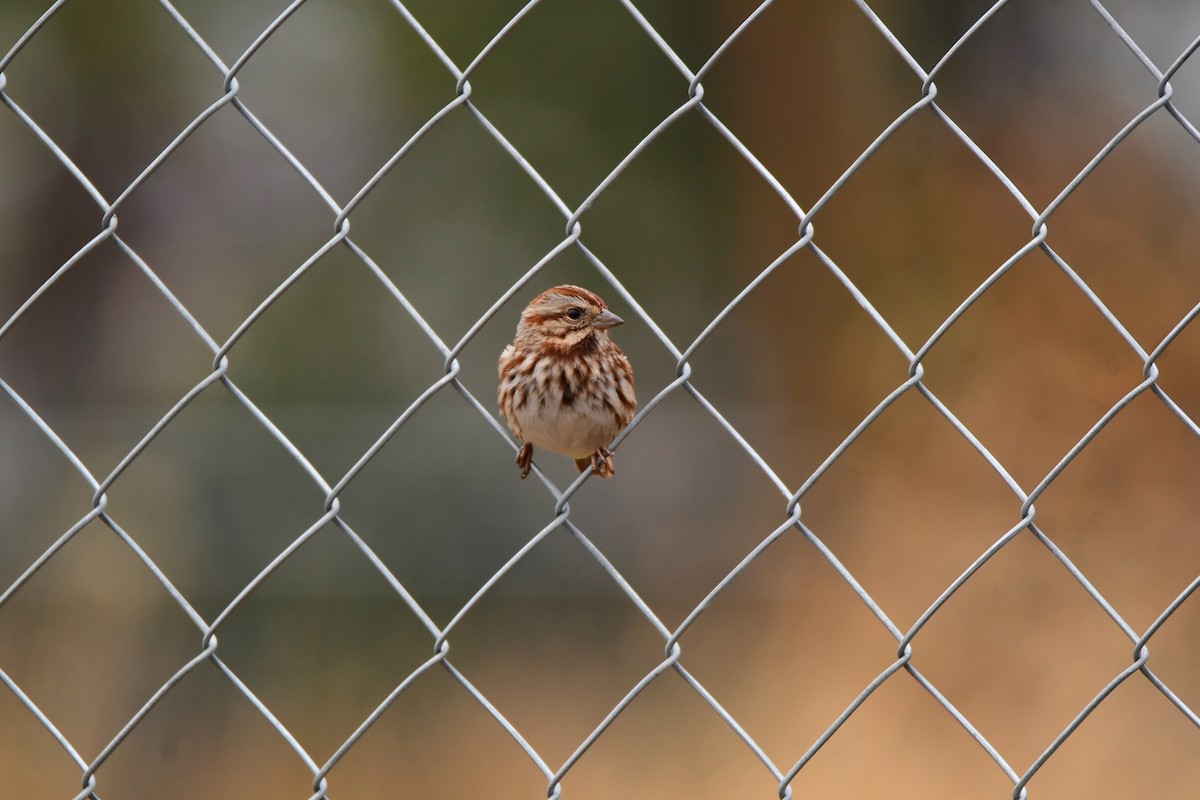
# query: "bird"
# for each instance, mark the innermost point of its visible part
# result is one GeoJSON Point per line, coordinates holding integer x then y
{"type": "Point", "coordinates": [564, 385]}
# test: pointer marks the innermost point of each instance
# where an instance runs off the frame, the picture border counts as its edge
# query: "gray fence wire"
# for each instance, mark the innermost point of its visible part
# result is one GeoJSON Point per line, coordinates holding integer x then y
{"type": "Point", "coordinates": [790, 497]}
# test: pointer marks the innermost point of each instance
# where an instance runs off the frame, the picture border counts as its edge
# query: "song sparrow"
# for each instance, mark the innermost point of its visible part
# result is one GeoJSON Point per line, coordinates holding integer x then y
{"type": "Point", "coordinates": [564, 385]}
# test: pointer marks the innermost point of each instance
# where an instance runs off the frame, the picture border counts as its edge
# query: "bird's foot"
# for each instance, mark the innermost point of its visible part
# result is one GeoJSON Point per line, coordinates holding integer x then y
{"type": "Point", "coordinates": [525, 459]}
{"type": "Point", "coordinates": [602, 462]}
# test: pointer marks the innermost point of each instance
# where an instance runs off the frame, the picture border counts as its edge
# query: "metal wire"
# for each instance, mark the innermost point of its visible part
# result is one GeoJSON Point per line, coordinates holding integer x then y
{"type": "Point", "coordinates": [328, 489]}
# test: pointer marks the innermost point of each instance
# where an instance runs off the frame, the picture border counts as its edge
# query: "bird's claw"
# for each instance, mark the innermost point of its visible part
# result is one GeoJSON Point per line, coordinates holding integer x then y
{"type": "Point", "coordinates": [602, 462]}
{"type": "Point", "coordinates": [525, 459]}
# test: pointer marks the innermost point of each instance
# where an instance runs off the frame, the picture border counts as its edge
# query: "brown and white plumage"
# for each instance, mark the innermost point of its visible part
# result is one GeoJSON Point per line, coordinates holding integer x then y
{"type": "Point", "coordinates": [565, 386]}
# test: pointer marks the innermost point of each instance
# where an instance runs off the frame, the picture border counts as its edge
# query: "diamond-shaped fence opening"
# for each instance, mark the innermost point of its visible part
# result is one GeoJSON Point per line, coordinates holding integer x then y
{"type": "Point", "coordinates": [255, 267]}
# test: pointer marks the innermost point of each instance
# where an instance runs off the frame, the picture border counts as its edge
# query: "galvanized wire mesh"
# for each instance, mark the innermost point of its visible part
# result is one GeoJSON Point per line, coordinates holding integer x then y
{"type": "Point", "coordinates": [328, 490]}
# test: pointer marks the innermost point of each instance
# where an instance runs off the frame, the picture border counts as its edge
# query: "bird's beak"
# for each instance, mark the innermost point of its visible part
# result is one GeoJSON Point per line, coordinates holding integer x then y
{"type": "Point", "coordinates": [607, 319]}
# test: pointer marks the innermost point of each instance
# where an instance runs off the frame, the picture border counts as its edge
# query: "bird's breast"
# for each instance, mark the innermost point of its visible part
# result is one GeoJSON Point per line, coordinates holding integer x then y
{"type": "Point", "coordinates": [574, 430]}
{"type": "Point", "coordinates": [558, 404]}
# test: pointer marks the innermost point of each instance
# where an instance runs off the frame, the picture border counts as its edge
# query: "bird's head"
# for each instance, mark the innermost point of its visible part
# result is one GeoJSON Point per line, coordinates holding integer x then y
{"type": "Point", "coordinates": [565, 317]}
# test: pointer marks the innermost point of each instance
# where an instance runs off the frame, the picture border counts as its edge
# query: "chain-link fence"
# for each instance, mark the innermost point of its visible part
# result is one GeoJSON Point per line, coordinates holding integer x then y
{"type": "Point", "coordinates": [170, 624]}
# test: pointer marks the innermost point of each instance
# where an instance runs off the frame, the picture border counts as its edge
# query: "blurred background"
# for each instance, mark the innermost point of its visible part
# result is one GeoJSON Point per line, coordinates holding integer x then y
{"type": "Point", "coordinates": [1019, 650]}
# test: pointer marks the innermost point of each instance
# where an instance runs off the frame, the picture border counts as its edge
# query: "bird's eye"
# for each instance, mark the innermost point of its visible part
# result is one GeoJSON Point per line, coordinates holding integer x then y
{"type": "Point", "coordinates": [574, 313]}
